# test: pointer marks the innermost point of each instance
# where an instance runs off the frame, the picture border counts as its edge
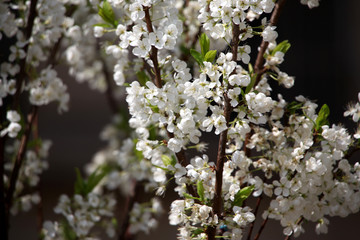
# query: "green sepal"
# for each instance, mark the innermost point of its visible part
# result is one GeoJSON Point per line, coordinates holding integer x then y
{"type": "Point", "coordinates": [204, 44]}
{"type": "Point", "coordinates": [210, 56]}
{"type": "Point", "coordinates": [197, 56]}
{"type": "Point", "coordinates": [200, 190]}
{"type": "Point", "coordinates": [322, 117]}
{"type": "Point", "coordinates": [168, 160]}
{"type": "Point", "coordinates": [242, 195]}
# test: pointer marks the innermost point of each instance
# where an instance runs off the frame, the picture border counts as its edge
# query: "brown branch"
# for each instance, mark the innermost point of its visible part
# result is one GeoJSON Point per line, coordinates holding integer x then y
{"type": "Point", "coordinates": [259, 63]}
{"type": "Point", "coordinates": [221, 156]}
{"type": "Point", "coordinates": [19, 159]}
{"type": "Point", "coordinates": [255, 213]}
{"type": "Point", "coordinates": [261, 229]}
{"type": "Point", "coordinates": [28, 31]}
{"type": "Point", "coordinates": [154, 51]}
{"type": "Point", "coordinates": [130, 201]}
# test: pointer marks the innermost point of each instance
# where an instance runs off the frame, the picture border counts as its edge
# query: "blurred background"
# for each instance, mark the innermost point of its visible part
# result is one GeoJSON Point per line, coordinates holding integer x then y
{"type": "Point", "coordinates": [324, 58]}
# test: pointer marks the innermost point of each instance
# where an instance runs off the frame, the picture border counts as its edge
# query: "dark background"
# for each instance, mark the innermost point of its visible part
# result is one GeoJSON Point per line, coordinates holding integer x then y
{"type": "Point", "coordinates": [324, 58]}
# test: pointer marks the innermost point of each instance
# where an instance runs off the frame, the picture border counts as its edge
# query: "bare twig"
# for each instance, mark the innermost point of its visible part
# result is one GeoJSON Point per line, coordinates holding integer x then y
{"type": "Point", "coordinates": [19, 159]}
{"type": "Point", "coordinates": [255, 213]}
{"type": "Point", "coordinates": [130, 201]}
{"type": "Point", "coordinates": [261, 229]}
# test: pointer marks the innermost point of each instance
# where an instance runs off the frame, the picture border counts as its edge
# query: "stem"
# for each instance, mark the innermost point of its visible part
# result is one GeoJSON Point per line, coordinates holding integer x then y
{"type": "Point", "coordinates": [19, 159]}
{"type": "Point", "coordinates": [259, 63]}
{"type": "Point", "coordinates": [255, 213]}
{"type": "Point", "coordinates": [261, 229]}
{"type": "Point", "coordinates": [28, 31]}
{"type": "Point", "coordinates": [221, 156]}
{"type": "Point", "coordinates": [154, 51]}
{"type": "Point", "coordinates": [130, 201]}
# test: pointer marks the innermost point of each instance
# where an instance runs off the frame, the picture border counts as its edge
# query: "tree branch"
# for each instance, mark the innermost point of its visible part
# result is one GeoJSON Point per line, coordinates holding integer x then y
{"type": "Point", "coordinates": [28, 31]}
{"type": "Point", "coordinates": [261, 229]}
{"type": "Point", "coordinates": [259, 63]}
{"type": "Point", "coordinates": [19, 159]}
{"type": "Point", "coordinates": [221, 155]}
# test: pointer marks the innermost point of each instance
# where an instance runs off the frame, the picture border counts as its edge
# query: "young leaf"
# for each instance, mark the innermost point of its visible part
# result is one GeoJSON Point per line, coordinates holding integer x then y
{"type": "Point", "coordinates": [322, 117]}
{"type": "Point", "coordinates": [142, 77]}
{"type": "Point", "coordinates": [204, 44]}
{"type": "Point", "coordinates": [197, 56]}
{"type": "Point", "coordinates": [210, 56]}
{"type": "Point", "coordinates": [251, 85]}
{"type": "Point", "coordinates": [107, 13]}
{"type": "Point", "coordinates": [79, 186]}
{"type": "Point", "coordinates": [242, 195]}
{"type": "Point", "coordinates": [200, 190]}
{"type": "Point", "coordinates": [282, 47]}
{"type": "Point", "coordinates": [95, 178]}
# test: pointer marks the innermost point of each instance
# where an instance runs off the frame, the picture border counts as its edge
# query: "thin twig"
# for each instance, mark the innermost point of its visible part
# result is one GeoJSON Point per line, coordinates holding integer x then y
{"type": "Point", "coordinates": [221, 155]}
{"type": "Point", "coordinates": [130, 201]}
{"type": "Point", "coordinates": [261, 229]}
{"type": "Point", "coordinates": [255, 213]}
{"type": "Point", "coordinates": [19, 159]}
{"type": "Point", "coordinates": [28, 31]}
{"type": "Point", "coordinates": [259, 63]}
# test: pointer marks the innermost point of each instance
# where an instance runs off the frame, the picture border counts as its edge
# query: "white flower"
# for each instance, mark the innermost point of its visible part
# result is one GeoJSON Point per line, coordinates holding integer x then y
{"type": "Point", "coordinates": [269, 34]}
{"type": "Point", "coordinates": [174, 145]}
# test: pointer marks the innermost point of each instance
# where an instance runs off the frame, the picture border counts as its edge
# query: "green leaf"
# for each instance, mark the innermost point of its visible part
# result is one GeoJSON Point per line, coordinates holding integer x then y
{"type": "Point", "coordinates": [197, 56]}
{"type": "Point", "coordinates": [252, 83]}
{"type": "Point", "coordinates": [84, 187]}
{"type": "Point", "coordinates": [95, 178]}
{"type": "Point", "coordinates": [210, 56]}
{"type": "Point", "coordinates": [168, 160]}
{"type": "Point", "coordinates": [242, 195]}
{"type": "Point", "coordinates": [281, 47]}
{"type": "Point", "coordinates": [142, 77]}
{"type": "Point", "coordinates": [67, 232]}
{"type": "Point", "coordinates": [322, 117]}
{"type": "Point", "coordinates": [107, 13]}
{"type": "Point", "coordinates": [200, 190]}
{"type": "Point", "coordinates": [196, 232]}
{"type": "Point", "coordinates": [204, 44]}
{"type": "Point", "coordinates": [251, 69]}
{"type": "Point", "coordinates": [293, 106]}
{"type": "Point", "coordinates": [79, 183]}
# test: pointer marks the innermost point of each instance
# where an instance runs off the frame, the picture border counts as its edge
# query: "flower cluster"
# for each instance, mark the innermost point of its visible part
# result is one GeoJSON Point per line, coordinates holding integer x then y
{"type": "Point", "coordinates": [82, 213]}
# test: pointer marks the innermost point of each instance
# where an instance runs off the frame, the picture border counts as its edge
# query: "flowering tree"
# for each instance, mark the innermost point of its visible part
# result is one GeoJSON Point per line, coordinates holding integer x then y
{"type": "Point", "coordinates": [186, 69]}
